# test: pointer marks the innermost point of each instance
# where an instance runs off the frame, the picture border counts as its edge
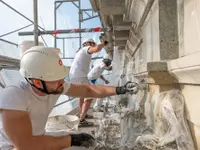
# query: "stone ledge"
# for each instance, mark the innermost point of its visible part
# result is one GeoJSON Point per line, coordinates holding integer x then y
{"type": "Point", "coordinates": [121, 35]}
{"type": "Point", "coordinates": [134, 42]}
{"type": "Point", "coordinates": [153, 67]}
{"type": "Point", "coordinates": [157, 73]}
{"type": "Point", "coordinates": [120, 43]}
{"type": "Point", "coordinates": [183, 70]}
{"type": "Point", "coordinates": [186, 69]}
{"type": "Point", "coordinates": [111, 7]}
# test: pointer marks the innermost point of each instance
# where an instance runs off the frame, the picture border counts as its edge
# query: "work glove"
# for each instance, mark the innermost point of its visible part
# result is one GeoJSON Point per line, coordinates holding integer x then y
{"type": "Point", "coordinates": [103, 39]}
{"type": "Point", "coordinates": [129, 87]}
{"type": "Point", "coordinates": [107, 82]}
{"type": "Point", "coordinates": [105, 43]}
{"type": "Point", "coordinates": [82, 139]}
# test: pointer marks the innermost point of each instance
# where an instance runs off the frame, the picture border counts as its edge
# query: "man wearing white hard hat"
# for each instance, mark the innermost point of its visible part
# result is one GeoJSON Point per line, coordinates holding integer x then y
{"type": "Point", "coordinates": [98, 69]}
{"type": "Point", "coordinates": [79, 71]}
{"type": "Point", "coordinates": [25, 107]}
{"type": "Point", "coordinates": [96, 72]}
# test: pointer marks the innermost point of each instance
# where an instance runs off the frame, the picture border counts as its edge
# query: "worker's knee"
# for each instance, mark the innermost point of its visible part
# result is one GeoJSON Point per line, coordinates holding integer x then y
{"type": "Point", "coordinates": [88, 102]}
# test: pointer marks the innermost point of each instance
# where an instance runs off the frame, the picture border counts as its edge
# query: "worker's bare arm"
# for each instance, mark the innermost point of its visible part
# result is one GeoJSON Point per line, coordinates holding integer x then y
{"type": "Point", "coordinates": [96, 48]}
{"type": "Point", "coordinates": [17, 125]}
{"type": "Point", "coordinates": [84, 90]}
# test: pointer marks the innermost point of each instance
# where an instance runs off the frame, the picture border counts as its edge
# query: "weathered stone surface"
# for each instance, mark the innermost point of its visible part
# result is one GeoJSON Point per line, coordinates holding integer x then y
{"type": "Point", "coordinates": [121, 35]}
{"type": "Point", "coordinates": [120, 43]}
{"type": "Point", "coordinates": [168, 27]}
{"type": "Point", "coordinates": [112, 7]}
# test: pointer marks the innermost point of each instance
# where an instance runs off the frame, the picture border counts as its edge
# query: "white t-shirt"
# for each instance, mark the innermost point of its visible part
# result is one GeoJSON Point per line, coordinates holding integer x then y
{"type": "Point", "coordinates": [96, 71]}
{"type": "Point", "coordinates": [81, 64]}
{"type": "Point", "coordinates": [22, 97]}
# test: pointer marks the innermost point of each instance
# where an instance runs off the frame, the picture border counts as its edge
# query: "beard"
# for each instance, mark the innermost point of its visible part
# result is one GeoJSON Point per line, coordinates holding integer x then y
{"type": "Point", "coordinates": [58, 90]}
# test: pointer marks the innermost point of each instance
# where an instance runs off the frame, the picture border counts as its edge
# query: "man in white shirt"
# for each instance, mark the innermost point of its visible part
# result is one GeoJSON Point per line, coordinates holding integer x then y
{"type": "Point", "coordinates": [79, 71]}
{"type": "Point", "coordinates": [24, 107]}
{"type": "Point", "coordinates": [96, 72]}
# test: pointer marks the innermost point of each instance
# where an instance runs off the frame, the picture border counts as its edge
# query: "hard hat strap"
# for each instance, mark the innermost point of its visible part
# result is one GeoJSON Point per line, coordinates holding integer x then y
{"type": "Point", "coordinates": [45, 87]}
{"type": "Point", "coordinates": [41, 90]}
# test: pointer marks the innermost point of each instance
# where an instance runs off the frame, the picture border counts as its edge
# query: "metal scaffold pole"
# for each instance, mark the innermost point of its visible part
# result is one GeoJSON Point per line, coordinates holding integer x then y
{"type": "Point", "coordinates": [52, 32]}
{"type": "Point", "coordinates": [55, 22]}
{"type": "Point", "coordinates": [35, 12]}
{"type": "Point", "coordinates": [9, 42]}
{"type": "Point", "coordinates": [63, 48]}
{"type": "Point", "coordinates": [55, 32]}
{"type": "Point", "coordinates": [80, 16]}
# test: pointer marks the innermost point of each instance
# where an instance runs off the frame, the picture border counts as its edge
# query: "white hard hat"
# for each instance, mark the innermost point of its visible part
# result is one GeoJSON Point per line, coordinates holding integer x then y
{"type": "Point", "coordinates": [88, 40]}
{"type": "Point", "coordinates": [25, 45]}
{"type": "Point", "coordinates": [108, 56]}
{"type": "Point", "coordinates": [42, 63]}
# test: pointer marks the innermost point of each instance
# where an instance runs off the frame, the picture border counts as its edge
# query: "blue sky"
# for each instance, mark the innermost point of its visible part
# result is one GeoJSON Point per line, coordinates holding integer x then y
{"type": "Point", "coordinates": [67, 19]}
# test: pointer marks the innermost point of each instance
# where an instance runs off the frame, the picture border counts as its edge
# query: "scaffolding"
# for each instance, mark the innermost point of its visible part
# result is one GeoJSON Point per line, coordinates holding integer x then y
{"type": "Point", "coordinates": [6, 62]}
{"type": "Point", "coordinates": [39, 31]}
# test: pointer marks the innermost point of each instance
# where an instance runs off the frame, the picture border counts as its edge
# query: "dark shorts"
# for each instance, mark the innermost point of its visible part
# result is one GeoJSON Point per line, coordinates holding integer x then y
{"type": "Point", "coordinates": [93, 81]}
